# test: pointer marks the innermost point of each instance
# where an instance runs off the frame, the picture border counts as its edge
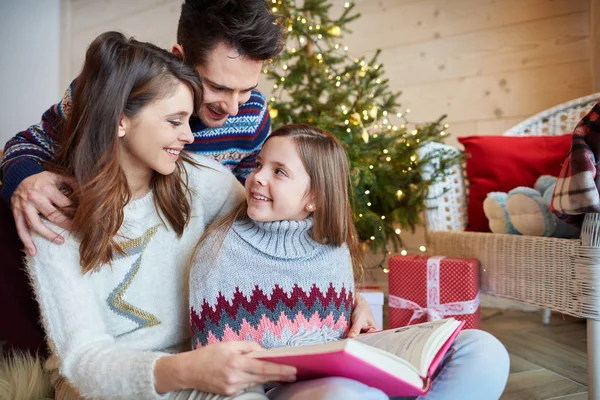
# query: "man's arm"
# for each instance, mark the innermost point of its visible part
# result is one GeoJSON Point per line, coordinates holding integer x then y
{"type": "Point", "coordinates": [262, 131]}
{"type": "Point", "coordinates": [23, 154]}
{"type": "Point", "coordinates": [27, 188]}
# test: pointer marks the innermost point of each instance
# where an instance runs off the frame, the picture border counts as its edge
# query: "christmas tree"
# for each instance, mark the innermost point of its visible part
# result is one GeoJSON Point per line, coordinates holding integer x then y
{"type": "Point", "coordinates": [317, 83]}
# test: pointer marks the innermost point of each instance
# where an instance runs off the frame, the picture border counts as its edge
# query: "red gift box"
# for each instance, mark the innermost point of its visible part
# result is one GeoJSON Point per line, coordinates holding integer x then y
{"type": "Point", "coordinates": [428, 288]}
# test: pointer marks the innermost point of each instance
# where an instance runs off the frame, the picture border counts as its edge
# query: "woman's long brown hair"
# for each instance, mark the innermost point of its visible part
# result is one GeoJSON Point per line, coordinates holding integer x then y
{"type": "Point", "coordinates": [120, 77]}
{"type": "Point", "coordinates": [326, 163]}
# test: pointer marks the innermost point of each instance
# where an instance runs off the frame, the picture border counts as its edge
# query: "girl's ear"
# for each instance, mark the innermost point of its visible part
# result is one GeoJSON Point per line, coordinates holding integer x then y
{"type": "Point", "coordinates": [124, 124]}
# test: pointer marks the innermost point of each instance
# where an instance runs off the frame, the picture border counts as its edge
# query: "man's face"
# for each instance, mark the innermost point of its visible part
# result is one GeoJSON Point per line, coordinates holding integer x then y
{"type": "Point", "coordinates": [228, 80]}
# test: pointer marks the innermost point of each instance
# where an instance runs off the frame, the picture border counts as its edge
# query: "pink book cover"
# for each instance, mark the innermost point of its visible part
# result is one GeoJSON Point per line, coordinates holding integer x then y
{"type": "Point", "coordinates": [344, 364]}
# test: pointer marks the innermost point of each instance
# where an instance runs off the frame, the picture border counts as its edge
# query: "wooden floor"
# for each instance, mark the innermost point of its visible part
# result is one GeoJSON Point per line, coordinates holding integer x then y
{"type": "Point", "coordinates": [547, 361]}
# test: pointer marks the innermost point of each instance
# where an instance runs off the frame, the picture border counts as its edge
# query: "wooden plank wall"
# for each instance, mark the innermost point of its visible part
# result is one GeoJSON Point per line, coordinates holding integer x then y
{"type": "Point", "coordinates": [487, 64]}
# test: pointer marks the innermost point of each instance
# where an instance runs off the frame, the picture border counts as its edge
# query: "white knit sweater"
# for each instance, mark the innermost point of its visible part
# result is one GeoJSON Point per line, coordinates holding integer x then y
{"type": "Point", "coordinates": [107, 329]}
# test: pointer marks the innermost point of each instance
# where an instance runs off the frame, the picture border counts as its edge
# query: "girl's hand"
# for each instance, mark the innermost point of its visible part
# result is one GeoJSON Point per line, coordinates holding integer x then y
{"type": "Point", "coordinates": [222, 368]}
{"type": "Point", "coordinates": [362, 318]}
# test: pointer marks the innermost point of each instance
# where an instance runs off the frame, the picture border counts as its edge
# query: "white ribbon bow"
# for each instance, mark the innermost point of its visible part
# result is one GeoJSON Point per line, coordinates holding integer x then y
{"type": "Point", "coordinates": [434, 310]}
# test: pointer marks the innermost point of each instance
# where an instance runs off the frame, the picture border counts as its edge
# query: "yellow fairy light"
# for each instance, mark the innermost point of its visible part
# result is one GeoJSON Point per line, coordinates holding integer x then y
{"type": "Point", "coordinates": [366, 117]}
{"type": "Point", "coordinates": [386, 271]}
{"type": "Point", "coordinates": [388, 159]}
{"type": "Point", "coordinates": [355, 119]}
{"type": "Point", "coordinates": [367, 191]}
{"type": "Point", "coordinates": [266, 71]}
{"type": "Point", "coordinates": [383, 217]}
{"type": "Point", "coordinates": [273, 113]}
{"type": "Point", "coordinates": [274, 9]}
{"type": "Point", "coordinates": [375, 135]}
{"type": "Point", "coordinates": [369, 204]}
{"type": "Point", "coordinates": [310, 28]}
{"type": "Point", "coordinates": [372, 237]}
{"type": "Point", "coordinates": [407, 110]}
{"type": "Point", "coordinates": [272, 99]}
{"type": "Point", "coordinates": [365, 138]}
{"type": "Point", "coordinates": [422, 248]}
{"type": "Point", "coordinates": [285, 67]}
{"type": "Point", "coordinates": [442, 133]}
{"type": "Point", "coordinates": [385, 121]}
{"type": "Point", "coordinates": [319, 36]}
{"type": "Point", "coordinates": [385, 113]}
{"type": "Point", "coordinates": [399, 194]}
{"type": "Point", "coordinates": [318, 27]}
{"type": "Point", "coordinates": [413, 158]}
{"type": "Point", "coordinates": [399, 115]}
{"type": "Point", "coordinates": [303, 20]}
{"type": "Point", "coordinates": [378, 81]}
{"type": "Point", "coordinates": [319, 56]}
{"type": "Point", "coordinates": [370, 167]}
{"type": "Point", "coordinates": [293, 49]}
{"type": "Point", "coordinates": [394, 128]}
{"type": "Point", "coordinates": [414, 132]}
{"type": "Point", "coordinates": [346, 122]}
{"type": "Point", "coordinates": [345, 48]}
{"type": "Point", "coordinates": [302, 40]}
{"type": "Point", "coordinates": [289, 28]}
{"type": "Point", "coordinates": [346, 4]}
{"type": "Point", "coordinates": [398, 231]}
{"type": "Point", "coordinates": [385, 151]}
{"type": "Point", "coordinates": [446, 126]}
{"type": "Point", "coordinates": [360, 215]}
{"type": "Point", "coordinates": [404, 252]}
{"type": "Point", "coordinates": [373, 112]}
{"type": "Point", "coordinates": [334, 31]}
{"type": "Point", "coordinates": [362, 63]}
{"type": "Point", "coordinates": [275, 86]}
{"type": "Point", "coordinates": [337, 46]}
{"type": "Point", "coordinates": [282, 79]}
{"type": "Point", "coordinates": [348, 130]}
{"type": "Point", "coordinates": [337, 84]}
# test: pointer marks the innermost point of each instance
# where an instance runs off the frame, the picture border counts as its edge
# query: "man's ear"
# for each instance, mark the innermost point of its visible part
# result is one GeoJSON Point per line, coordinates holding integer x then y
{"type": "Point", "coordinates": [178, 51]}
{"type": "Point", "coordinates": [124, 124]}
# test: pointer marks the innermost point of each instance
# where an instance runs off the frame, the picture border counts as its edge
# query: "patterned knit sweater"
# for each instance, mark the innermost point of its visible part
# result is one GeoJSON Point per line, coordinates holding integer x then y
{"type": "Point", "coordinates": [270, 283]}
{"type": "Point", "coordinates": [235, 144]}
{"type": "Point", "coordinates": [108, 328]}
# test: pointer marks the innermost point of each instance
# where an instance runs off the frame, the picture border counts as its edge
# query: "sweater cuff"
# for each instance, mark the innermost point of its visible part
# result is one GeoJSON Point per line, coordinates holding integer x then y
{"type": "Point", "coordinates": [16, 173]}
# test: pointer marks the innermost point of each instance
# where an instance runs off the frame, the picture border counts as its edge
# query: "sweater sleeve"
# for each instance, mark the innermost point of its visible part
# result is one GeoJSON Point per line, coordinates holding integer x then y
{"type": "Point", "coordinates": [90, 358]}
{"type": "Point", "coordinates": [261, 132]}
{"type": "Point", "coordinates": [23, 154]}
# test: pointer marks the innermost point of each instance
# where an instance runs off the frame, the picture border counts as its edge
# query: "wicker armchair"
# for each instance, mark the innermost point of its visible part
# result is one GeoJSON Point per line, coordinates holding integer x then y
{"type": "Point", "coordinates": [556, 274]}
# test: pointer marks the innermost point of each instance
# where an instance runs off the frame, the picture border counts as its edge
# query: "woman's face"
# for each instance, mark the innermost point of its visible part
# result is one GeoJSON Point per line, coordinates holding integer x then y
{"type": "Point", "coordinates": [153, 139]}
{"type": "Point", "coordinates": [278, 187]}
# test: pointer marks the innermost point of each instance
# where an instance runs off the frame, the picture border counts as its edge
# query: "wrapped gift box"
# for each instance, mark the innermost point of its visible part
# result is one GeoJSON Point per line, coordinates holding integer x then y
{"type": "Point", "coordinates": [374, 296]}
{"type": "Point", "coordinates": [427, 288]}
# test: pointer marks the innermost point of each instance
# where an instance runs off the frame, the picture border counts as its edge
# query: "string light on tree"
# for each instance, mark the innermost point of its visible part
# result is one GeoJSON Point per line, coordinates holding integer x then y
{"type": "Point", "coordinates": [316, 82]}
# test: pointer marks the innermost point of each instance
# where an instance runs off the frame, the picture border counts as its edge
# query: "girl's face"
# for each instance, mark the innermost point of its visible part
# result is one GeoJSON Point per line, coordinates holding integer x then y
{"type": "Point", "coordinates": [153, 139]}
{"type": "Point", "coordinates": [278, 187]}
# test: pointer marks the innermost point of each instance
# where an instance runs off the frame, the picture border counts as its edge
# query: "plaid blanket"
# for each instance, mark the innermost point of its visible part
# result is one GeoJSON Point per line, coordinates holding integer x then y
{"type": "Point", "coordinates": [578, 185]}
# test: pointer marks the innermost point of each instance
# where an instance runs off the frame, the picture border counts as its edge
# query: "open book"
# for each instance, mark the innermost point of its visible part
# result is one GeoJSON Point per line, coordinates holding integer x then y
{"type": "Point", "coordinates": [400, 361]}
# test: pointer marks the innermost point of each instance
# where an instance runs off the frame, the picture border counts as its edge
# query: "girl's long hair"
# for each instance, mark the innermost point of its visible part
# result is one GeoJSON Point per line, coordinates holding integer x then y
{"type": "Point", "coordinates": [326, 163]}
{"type": "Point", "coordinates": [120, 77]}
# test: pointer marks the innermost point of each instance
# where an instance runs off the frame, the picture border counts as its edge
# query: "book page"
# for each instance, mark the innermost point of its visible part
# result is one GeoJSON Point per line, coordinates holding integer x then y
{"type": "Point", "coordinates": [407, 342]}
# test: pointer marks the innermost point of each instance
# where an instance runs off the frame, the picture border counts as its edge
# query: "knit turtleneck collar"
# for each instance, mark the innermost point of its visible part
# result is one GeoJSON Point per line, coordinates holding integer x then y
{"type": "Point", "coordinates": [281, 239]}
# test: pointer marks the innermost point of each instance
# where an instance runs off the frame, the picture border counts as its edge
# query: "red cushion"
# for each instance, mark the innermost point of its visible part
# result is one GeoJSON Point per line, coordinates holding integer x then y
{"type": "Point", "coordinates": [501, 163]}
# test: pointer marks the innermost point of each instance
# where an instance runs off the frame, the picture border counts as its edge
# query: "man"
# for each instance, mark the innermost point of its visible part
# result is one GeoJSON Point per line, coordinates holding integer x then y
{"type": "Point", "coordinates": [227, 41]}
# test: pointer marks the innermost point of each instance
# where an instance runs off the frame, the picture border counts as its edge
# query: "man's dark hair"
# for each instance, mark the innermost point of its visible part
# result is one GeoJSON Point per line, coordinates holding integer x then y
{"type": "Point", "coordinates": [246, 25]}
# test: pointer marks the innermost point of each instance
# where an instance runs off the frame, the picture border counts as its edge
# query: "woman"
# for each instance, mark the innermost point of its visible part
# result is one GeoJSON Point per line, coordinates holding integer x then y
{"type": "Point", "coordinates": [113, 298]}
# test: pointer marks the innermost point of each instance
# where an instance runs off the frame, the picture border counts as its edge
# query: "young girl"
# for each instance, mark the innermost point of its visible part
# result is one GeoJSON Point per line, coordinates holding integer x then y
{"type": "Point", "coordinates": [113, 297]}
{"type": "Point", "coordinates": [278, 271]}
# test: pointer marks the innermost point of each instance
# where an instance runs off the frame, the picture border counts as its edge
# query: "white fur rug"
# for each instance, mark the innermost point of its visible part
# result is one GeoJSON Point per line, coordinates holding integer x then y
{"type": "Point", "coordinates": [22, 377]}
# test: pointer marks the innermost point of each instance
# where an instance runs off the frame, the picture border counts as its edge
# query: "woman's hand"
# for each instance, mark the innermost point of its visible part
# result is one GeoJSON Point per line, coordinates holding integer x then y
{"type": "Point", "coordinates": [221, 368]}
{"type": "Point", "coordinates": [362, 317]}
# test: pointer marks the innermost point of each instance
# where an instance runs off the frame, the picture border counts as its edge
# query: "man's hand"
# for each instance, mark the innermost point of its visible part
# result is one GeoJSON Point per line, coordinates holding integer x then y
{"type": "Point", "coordinates": [37, 195]}
{"type": "Point", "coordinates": [222, 368]}
{"type": "Point", "coordinates": [362, 317]}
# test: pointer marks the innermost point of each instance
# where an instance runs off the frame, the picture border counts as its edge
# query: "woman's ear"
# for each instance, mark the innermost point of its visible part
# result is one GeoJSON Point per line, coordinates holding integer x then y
{"type": "Point", "coordinates": [124, 124]}
{"type": "Point", "coordinates": [178, 51]}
